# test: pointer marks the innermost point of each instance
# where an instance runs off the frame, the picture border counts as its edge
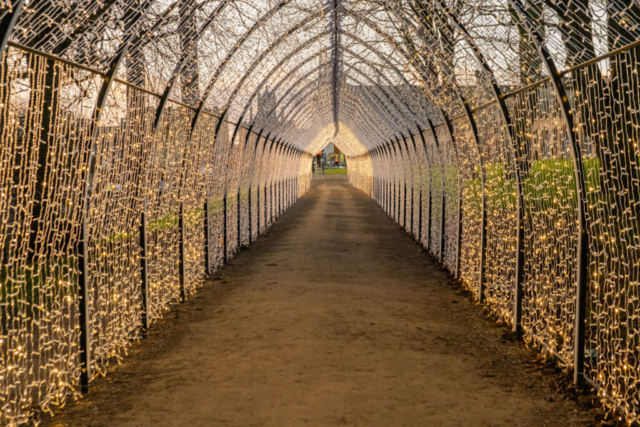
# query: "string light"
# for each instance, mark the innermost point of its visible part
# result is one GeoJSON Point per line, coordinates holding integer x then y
{"type": "Point", "coordinates": [276, 67]}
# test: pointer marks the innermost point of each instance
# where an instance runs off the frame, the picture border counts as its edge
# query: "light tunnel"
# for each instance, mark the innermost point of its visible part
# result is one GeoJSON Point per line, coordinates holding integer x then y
{"type": "Point", "coordinates": [144, 142]}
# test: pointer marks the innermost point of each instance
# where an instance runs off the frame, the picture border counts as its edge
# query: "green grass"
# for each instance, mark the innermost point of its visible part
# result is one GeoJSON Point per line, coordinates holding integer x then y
{"type": "Point", "coordinates": [21, 285]}
{"type": "Point", "coordinates": [342, 171]}
{"type": "Point", "coordinates": [37, 284]}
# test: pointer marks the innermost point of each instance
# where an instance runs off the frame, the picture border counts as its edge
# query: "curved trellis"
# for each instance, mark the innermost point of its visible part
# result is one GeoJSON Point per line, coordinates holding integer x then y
{"type": "Point", "coordinates": [144, 141]}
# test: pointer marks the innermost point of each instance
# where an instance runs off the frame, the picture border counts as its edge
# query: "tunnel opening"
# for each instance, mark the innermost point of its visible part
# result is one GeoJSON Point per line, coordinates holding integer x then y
{"type": "Point", "coordinates": [143, 143]}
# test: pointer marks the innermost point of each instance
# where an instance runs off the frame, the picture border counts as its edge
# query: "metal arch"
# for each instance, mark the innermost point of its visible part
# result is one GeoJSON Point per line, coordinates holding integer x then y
{"type": "Point", "coordinates": [474, 130]}
{"type": "Point", "coordinates": [377, 86]}
{"type": "Point", "coordinates": [413, 174]}
{"type": "Point", "coordinates": [300, 111]}
{"type": "Point", "coordinates": [449, 126]}
{"type": "Point", "coordinates": [437, 53]}
{"type": "Point", "coordinates": [367, 118]}
{"type": "Point", "coordinates": [372, 94]}
{"type": "Point", "coordinates": [430, 165]}
{"type": "Point", "coordinates": [389, 192]}
{"type": "Point", "coordinates": [417, 74]}
{"type": "Point", "coordinates": [89, 161]}
{"type": "Point", "coordinates": [291, 88]}
{"type": "Point", "coordinates": [236, 48]}
{"type": "Point", "coordinates": [518, 167]}
{"type": "Point", "coordinates": [357, 126]}
{"type": "Point", "coordinates": [360, 41]}
{"type": "Point", "coordinates": [483, 175]}
{"type": "Point", "coordinates": [8, 23]}
{"type": "Point", "coordinates": [444, 189]}
{"type": "Point", "coordinates": [252, 175]}
{"type": "Point", "coordinates": [388, 62]}
{"type": "Point", "coordinates": [396, 183]}
{"type": "Point", "coordinates": [580, 178]}
{"type": "Point", "coordinates": [402, 116]}
{"type": "Point", "coordinates": [396, 191]}
{"type": "Point", "coordinates": [303, 88]}
{"type": "Point", "coordinates": [279, 66]}
{"type": "Point", "coordinates": [302, 91]}
{"type": "Point", "coordinates": [335, 84]}
{"type": "Point", "coordinates": [233, 138]}
{"type": "Point", "coordinates": [182, 61]}
{"type": "Point", "coordinates": [275, 44]}
{"type": "Point", "coordinates": [311, 82]}
{"type": "Point", "coordinates": [351, 66]}
{"type": "Point", "coordinates": [410, 163]}
{"type": "Point", "coordinates": [113, 68]}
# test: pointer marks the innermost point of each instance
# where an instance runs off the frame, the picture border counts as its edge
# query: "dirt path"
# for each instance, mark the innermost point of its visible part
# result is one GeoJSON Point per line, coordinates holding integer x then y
{"type": "Point", "coordinates": [334, 318]}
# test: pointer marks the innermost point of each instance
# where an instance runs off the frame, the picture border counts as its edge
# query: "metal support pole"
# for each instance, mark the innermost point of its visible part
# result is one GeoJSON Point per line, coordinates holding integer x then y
{"type": "Point", "coordinates": [207, 238]}
{"type": "Point", "coordinates": [411, 217]}
{"type": "Point", "coordinates": [580, 178]}
{"type": "Point", "coordinates": [279, 197]}
{"type": "Point", "coordinates": [225, 218]}
{"type": "Point", "coordinates": [429, 221]}
{"type": "Point", "coordinates": [250, 219]}
{"type": "Point", "coordinates": [83, 305]}
{"type": "Point", "coordinates": [404, 210]}
{"type": "Point", "coordinates": [449, 127]}
{"type": "Point", "coordinates": [518, 159]}
{"type": "Point", "coordinates": [239, 216]}
{"type": "Point", "coordinates": [443, 225]}
{"type": "Point", "coordinates": [181, 264]}
{"type": "Point", "coordinates": [258, 211]}
{"type": "Point", "coordinates": [8, 23]}
{"type": "Point", "coordinates": [420, 216]}
{"type": "Point", "coordinates": [144, 273]}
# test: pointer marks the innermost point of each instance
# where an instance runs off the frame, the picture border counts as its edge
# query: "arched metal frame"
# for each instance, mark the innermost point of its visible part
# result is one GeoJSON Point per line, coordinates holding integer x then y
{"type": "Point", "coordinates": [517, 156]}
{"type": "Point", "coordinates": [382, 150]}
{"type": "Point", "coordinates": [580, 178]}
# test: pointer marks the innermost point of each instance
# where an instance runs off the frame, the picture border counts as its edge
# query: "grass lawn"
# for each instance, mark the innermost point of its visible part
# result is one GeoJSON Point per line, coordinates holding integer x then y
{"type": "Point", "coordinates": [342, 171]}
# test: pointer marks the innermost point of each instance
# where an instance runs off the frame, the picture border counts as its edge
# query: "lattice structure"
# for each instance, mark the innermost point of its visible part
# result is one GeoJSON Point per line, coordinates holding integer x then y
{"type": "Point", "coordinates": [143, 142]}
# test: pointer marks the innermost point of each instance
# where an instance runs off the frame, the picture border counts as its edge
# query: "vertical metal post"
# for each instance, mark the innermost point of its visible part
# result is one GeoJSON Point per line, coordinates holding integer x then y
{"type": "Point", "coordinates": [387, 193]}
{"type": "Point", "coordinates": [429, 220]}
{"type": "Point", "coordinates": [518, 157]}
{"type": "Point", "coordinates": [420, 215]}
{"type": "Point", "coordinates": [449, 127]}
{"type": "Point", "coordinates": [83, 305]}
{"type": "Point", "coordinates": [258, 211]}
{"type": "Point", "coordinates": [443, 225]}
{"type": "Point", "coordinates": [271, 205]}
{"type": "Point", "coordinates": [239, 216]}
{"type": "Point", "coordinates": [181, 265]}
{"type": "Point", "coordinates": [580, 178]}
{"type": "Point", "coordinates": [144, 272]}
{"type": "Point", "coordinates": [404, 210]}
{"type": "Point", "coordinates": [207, 238]}
{"type": "Point", "coordinates": [411, 216]}
{"type": "Point", "coordinates": [225, 218]}
{"type": "Point", "coordinates": [250, 218]}
{"type": "Point", "coordinates": [395, 196]}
